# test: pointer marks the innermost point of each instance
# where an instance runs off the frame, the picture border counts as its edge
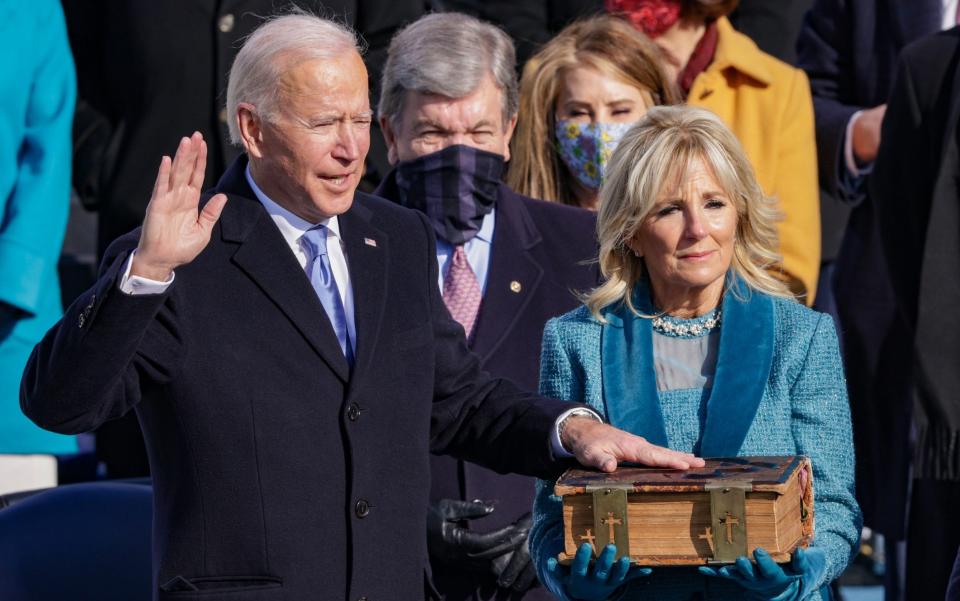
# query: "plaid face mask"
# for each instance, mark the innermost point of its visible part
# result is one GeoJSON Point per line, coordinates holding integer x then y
{"type": "Point", "coordinates": [586, 149]}
{"type": "Point", "coordinates": [456, 187]}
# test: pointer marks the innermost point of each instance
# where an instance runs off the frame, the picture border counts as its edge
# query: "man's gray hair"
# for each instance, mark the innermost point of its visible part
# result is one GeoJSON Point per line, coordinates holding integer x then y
{"type": "Point", "coordinates": [274, 48]}
{"type": "Point", "coordinates": [448, 54]}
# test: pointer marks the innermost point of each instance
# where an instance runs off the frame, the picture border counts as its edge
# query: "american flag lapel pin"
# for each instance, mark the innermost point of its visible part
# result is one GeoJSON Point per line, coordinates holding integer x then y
{"type": "Point", "coordinates": [370, 242]}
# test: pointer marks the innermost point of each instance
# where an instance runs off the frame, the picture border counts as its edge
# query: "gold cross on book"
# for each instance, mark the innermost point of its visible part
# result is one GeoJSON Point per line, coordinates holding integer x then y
{"type": "Point", "coordinates": [610, 521]}
{"type": "Point", "coordinates": [729, 521]}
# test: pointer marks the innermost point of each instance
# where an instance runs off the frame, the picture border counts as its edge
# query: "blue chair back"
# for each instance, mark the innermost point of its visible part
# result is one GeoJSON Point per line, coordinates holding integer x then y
{"type": "Point", "coordinates": [81, 541]}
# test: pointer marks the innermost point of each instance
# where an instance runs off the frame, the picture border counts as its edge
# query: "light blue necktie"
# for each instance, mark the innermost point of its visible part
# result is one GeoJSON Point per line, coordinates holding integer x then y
{"type": "Point", "coordinates": [321, 276]}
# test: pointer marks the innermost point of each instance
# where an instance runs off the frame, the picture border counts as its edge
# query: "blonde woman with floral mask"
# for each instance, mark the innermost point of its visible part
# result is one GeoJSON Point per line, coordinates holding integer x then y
{"type": "Point", "coordinates": [578, 96]}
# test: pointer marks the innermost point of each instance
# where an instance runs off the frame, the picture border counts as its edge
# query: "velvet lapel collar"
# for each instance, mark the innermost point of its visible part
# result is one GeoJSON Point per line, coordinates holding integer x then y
{"type": "Point", "coordinates": [630, 392]}
{"type": "Point", "coordinates": [629, 380]}
{"type": "Point", "coordinates": [743, 368]}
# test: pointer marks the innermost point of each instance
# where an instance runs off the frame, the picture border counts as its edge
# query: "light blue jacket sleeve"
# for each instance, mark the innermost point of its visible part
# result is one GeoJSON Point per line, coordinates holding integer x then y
{"type": "Point", "coordinates": [822, 431]}
{"type": "Point", "coordinates": [557, 380]}
{"type": "Point", "coordinates": [35, 182]}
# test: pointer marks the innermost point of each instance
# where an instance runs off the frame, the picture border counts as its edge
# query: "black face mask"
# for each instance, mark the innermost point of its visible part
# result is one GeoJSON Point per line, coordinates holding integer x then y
{"type": "Point", "coordinates": [456, 187]}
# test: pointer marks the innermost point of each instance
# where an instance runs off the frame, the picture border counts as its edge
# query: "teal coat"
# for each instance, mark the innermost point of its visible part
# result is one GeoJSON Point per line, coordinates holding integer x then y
{"type": "Point", "coordinates": [38, 88]}
{"type": "Point", "coordinates": [778, 390]}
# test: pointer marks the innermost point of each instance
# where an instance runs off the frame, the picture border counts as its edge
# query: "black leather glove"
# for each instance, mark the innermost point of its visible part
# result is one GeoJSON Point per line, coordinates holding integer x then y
{"type": "Point", "coordinates": [515, 571]}
{"type": "Point", "coordinates": [451, 542]}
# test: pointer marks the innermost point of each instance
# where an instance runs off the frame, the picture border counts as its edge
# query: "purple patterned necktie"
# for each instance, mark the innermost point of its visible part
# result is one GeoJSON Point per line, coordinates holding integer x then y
{"type": "Point", "coordinates": [461, 291]}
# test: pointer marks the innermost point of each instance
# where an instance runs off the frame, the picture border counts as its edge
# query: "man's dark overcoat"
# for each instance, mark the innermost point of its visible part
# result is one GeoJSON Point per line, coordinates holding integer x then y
{"type": "Point", "coordinates": [279, 472]}
{"type": "Point", "coordinates": [915, 189]}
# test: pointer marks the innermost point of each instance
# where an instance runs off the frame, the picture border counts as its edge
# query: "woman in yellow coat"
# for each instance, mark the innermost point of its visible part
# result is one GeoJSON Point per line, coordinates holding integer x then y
{"type": "Point", "coordinates": [765, 102]}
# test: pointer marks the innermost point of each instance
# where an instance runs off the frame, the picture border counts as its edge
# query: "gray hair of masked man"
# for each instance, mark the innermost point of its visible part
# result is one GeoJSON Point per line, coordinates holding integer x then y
{"type": "Point", "coordinates": [445, 57]}
{"type": "Point", "coordinates": [299, 105]}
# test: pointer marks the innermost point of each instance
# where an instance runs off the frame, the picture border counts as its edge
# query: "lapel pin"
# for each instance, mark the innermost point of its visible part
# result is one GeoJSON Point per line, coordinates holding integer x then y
{"type": "Point", "coordinates": [515, 286]}
{"type": "Point", "coordinates": [370, 242]}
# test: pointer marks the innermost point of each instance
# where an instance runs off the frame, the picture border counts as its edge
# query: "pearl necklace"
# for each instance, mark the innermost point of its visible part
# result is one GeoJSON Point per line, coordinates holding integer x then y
{"type": "Point", "coordinates": [686, 328]}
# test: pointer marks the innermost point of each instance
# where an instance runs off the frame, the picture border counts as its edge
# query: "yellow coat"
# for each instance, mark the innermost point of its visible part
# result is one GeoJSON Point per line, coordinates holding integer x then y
{"type": "Point", "coordinates": [768, 106]}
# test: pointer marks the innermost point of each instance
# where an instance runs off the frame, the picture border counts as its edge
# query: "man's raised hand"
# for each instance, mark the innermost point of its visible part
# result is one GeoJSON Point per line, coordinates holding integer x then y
{"type": "Point", "coordinates": [175, 230]}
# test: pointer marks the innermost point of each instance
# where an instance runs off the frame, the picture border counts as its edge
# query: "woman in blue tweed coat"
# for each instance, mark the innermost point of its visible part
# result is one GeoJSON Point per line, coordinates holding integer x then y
{"type": "Point", "coordinates": [693, 344]}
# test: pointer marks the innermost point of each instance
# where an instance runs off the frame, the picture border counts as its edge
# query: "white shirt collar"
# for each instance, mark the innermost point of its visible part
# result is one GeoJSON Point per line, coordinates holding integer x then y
{"type": "Point", "coordinates": [291, 226]}
{"type": "Point", "coordinates": [486, 227]}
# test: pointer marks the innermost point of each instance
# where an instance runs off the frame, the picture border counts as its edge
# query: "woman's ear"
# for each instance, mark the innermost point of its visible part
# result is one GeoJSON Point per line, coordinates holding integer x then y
{"type": "Point", "coordinates": [632, 244]}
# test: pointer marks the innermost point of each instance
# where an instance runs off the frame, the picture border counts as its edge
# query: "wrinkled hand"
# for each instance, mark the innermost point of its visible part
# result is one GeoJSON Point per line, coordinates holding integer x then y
{"type": "Point", "coordinates": [602, 446]}
{"type": "Point", "coordinates": [451, 542]}
{"type": "Point", "coordinates": [515, 570]}
{"type": "Point", "coordinates": [866, 133]}
{"type": "Point", "coordinates": [769, 581]}
{"type": "Point", "coordinates": [583, 582]}
{"type": "Point", "coordinates": [175, 229]}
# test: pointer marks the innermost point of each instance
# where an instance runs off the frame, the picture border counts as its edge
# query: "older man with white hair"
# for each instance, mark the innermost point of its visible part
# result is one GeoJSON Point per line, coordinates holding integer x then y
{"type": "Point", "coordinates": [286, 350]}
{"type": "Point", "coordinates": [448, 107]}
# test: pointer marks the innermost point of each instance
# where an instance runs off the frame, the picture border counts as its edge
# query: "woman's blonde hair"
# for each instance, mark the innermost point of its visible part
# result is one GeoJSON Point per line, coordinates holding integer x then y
{"type": "Point", "coordinates": [606, 43]}
{"type": "Point", "coordinates": [657, 152]}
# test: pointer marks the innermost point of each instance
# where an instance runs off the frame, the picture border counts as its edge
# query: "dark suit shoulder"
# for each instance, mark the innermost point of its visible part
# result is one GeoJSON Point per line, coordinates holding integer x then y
{"type": "Point", "coordinates": [931, 59]}
{"type": "Point", "coordinates": [557, 221]}
{"type": "Point", "coordinates": [930, 64]}
{"type": "Point", "coordinates": [386, 214]}
{"type": "Point", "coordinates": [932, 48]}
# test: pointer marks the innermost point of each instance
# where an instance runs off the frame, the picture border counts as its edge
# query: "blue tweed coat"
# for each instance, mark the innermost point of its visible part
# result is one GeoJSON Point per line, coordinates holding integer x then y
{"type": "Point", "coordinates": [778, 390]}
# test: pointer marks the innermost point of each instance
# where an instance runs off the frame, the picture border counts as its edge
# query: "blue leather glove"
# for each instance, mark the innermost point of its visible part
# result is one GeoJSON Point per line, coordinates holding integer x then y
{"type": "Point", "coordinates": [768, 581]}
{"type": "Point", "coordinates": [580, 581]}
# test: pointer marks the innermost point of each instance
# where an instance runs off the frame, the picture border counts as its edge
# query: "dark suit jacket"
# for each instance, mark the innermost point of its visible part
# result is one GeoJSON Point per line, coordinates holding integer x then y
{"type": "Point", "coordinates": [919, 219]}
{"type": "Point", "coordinates": [277, 470]}
{"type": "Point", "coordinates": [546, 249]}
{"type": "Point", "coordinates": [849, 49]}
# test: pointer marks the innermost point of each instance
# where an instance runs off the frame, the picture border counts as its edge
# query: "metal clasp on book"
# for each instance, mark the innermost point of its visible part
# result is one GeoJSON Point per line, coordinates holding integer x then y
{"type": "Point", "coordinates": [728, 517]}
{"type": "Point", "coordinates": [609, 522]}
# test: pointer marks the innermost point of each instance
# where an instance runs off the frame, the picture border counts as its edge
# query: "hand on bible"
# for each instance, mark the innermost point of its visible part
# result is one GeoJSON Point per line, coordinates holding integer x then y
{"type": "Point", "coordinates": [602, 446]}
{"type": "Point", "coordinates": [175, 229]}
{"type": "Point", "coordinates": [451, 541]}
{"type": "Point", "coordinates": [587, 583]}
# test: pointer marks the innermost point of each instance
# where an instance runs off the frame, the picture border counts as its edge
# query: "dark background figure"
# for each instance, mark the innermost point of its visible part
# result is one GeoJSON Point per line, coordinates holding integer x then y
{"type": "Point", "coordinates": [849, 50]}
{"type": "Point", "coordinates": [457, 74]}
{"type": "Point", "coordinates": [774, 26]}
{"type": "Point", "coordinates": [147, 73]}
{"type": "Point", "coordinates": [915, 193]}
{"type": "Point", "coordinates": [530, 23]}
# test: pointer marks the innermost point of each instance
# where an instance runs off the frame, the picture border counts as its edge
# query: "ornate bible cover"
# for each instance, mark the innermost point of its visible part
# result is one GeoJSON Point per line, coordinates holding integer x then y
{"type": "Point", "coordinates": [694, 517]}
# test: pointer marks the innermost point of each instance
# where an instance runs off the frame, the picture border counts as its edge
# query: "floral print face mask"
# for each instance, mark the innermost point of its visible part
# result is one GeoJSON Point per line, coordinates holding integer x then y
{"type": "Point", "coordinates": [586, 148]}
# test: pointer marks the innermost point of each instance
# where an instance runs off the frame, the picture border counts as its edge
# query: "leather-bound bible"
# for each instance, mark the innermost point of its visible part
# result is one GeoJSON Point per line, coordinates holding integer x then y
{"type": "Point", "coordinates": [712, 514]}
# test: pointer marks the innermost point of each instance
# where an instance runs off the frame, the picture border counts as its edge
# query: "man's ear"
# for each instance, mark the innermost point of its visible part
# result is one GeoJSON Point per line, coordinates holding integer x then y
{"type": "Point", "coordinates": [390, 137]}
{"type": "Point", "coordinates": [251, 129]}
{"type": "Point", "coordinates": [507, 136]}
